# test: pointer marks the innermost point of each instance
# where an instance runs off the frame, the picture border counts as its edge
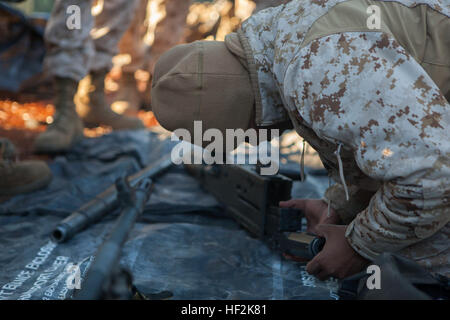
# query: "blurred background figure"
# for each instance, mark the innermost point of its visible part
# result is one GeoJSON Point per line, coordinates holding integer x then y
{"type": "Point", "coordinates": [157, 26]}
{"type": "Point", "coordinates": [74, 53]}
{"type": "Point", "coordinates": [133, 50]}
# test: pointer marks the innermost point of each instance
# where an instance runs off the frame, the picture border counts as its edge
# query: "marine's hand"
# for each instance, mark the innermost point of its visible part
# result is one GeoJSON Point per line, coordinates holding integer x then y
{"type": "Point", "coordinates": [337, 258]}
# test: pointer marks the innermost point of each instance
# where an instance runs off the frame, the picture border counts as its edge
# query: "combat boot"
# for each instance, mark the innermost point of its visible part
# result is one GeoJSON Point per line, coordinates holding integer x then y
{"type": "Point", "coordinates": [67, 127]}
{"type": "Point", "coordinates": [94, 110]}
{"type": "Point", "coordinates": [128, 99]}
{"type": "Point", "coordinates": [20, 177]}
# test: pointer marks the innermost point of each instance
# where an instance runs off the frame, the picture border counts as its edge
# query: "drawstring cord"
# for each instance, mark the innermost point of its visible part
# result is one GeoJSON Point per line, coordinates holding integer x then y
{"type": "Point", "coordinates": [341, 170]}
{"type": "Point", "coordinates": [329, 201]}
{"type": "Point", "coordinates": [302, 163]}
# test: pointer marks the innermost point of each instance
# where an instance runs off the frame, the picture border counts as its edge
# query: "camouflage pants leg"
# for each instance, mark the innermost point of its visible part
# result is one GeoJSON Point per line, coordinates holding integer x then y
{"type": "Point", "coordinates": [69, 51]}
{"type": "Point", "coordinates": [72, 53]}
{"type": "Point", "coordinates": [132, 42]}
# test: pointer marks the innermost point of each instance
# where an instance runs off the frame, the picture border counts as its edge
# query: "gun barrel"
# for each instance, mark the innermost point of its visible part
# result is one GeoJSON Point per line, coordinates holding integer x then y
{"type": "Point", "coordinates": [103, 203]}
{"type": "Point", "coordinates": [108, 255]}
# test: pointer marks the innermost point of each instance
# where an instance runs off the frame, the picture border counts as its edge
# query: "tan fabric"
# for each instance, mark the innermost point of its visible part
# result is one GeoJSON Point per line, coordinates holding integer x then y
{"type": "Point", "coordinates": [233, 44]}
{"type": "Point", "coordinates": [202, 81]}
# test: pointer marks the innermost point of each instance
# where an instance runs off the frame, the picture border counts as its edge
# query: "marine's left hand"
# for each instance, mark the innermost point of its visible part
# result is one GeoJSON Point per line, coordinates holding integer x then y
{"type": "Point", "coordinates": [337, 258]}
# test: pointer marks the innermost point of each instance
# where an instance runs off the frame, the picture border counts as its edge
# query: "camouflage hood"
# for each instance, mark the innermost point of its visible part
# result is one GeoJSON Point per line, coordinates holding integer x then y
{"type": "Point", "coordinates": [373, 103]}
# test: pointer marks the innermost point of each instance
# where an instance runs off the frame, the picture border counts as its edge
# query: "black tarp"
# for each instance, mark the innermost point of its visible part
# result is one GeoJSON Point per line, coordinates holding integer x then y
{"type": "Point", "coordinates": [182, 243]}
{"type": "Point", "coordinates": [22, 49]}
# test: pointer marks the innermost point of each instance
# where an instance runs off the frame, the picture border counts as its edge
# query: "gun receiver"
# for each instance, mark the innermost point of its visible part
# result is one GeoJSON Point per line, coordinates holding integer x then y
{"type": "Point", "coordinates": [252, 200]}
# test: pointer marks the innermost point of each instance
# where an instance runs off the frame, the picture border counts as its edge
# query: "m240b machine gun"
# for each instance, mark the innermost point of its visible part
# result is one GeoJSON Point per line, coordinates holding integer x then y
{"type": "Point", "coordinates": [252, 200]}
{"type": "Point", "coordinates": [105, 279]}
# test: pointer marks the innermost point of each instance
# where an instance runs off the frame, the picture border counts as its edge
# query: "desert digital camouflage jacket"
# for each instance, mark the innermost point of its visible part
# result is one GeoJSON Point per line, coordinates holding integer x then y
{"type": "Point", "coordinates": [372, 99]}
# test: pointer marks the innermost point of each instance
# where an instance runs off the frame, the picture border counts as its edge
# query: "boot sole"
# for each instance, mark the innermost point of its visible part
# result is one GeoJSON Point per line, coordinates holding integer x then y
{"type": "Point", "coordinates": [39, 184]}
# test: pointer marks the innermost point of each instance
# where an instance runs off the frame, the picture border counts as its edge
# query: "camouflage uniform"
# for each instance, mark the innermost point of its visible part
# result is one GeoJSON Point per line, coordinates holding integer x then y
{"type": "Point", "coordinates": [72, 53]}
{"type": "Point", "coordinates": [374, 104]}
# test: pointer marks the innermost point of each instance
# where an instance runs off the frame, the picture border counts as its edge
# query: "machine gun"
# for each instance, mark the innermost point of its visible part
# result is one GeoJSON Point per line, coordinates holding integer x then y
{"type": "Point", "coordinates": [104, 203]}
{"type": "Point", "coordinates": [252, 200]}
{"type": "Point", "coordinates": [105, 280]}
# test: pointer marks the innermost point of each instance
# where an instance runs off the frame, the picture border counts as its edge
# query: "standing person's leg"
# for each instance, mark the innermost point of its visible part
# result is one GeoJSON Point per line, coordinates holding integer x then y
{"type": "Point", "coordinates": [69, 55]}
{"type": "Point", "coordinates": [128, 97]}
{"type": "Point", "coordinates": [69, 51]}
{"type": "Point", "coordinates": [111, 22]}
{"type": "Point", "coordinates": [113, 19]}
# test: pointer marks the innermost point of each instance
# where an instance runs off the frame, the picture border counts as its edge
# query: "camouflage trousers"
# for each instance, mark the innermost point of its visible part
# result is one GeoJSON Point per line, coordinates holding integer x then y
{"type": "Point", "coordinates": [73, 52]}
{"type": "Point", "coordinates": [132, 43]}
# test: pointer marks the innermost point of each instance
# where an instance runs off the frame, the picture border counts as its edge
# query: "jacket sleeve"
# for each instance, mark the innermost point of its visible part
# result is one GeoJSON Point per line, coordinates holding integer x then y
{"type": "Point", "coordinates": [366, 93]}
